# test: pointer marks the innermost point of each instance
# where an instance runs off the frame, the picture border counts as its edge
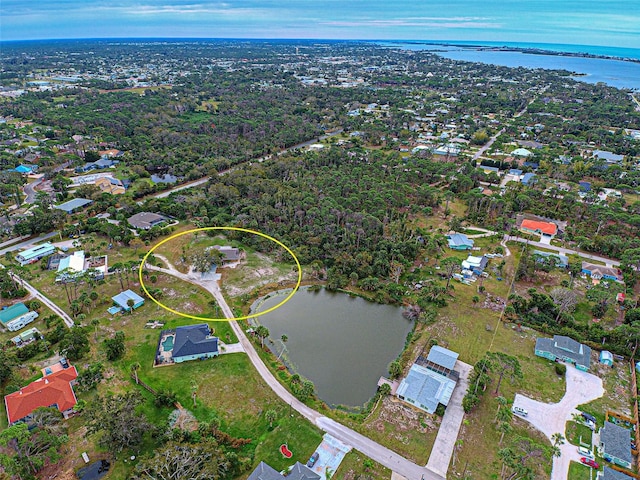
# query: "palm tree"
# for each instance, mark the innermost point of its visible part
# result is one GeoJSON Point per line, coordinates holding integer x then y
{"type": "Point", "coordinates": [501, 403]}
{"type": "Point", "coordinates": [270, 416]}
{"type": "Point", "coordinates": [95, 322]}
{"type": "Point", "coordinates": [262, 332]}
{"type": "Point", "coordinates": [503, 428]}
{"type": "Point", "coordinates": [134, 368]}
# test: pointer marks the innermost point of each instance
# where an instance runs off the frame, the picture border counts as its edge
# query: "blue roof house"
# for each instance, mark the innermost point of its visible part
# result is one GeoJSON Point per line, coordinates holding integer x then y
{"type": "Point", "coordinates": [585, 186]}
{"type": "Point", "coordinates": [25, 169]}
{"type": "Point", "coordinates": [194, 342]}
{"type": "Point", "coordinates": [459, 241]}
{"type": "Point", "coordinates": [432, 382]}
{"type": "Point", "coordinates": [121, 300]}
{"type": "Point", "coordinates": [529, 179]}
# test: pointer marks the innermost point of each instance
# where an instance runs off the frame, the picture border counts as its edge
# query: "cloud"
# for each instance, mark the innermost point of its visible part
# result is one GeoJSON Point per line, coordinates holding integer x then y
{"type": "Point", "coordinates": [414, 22]}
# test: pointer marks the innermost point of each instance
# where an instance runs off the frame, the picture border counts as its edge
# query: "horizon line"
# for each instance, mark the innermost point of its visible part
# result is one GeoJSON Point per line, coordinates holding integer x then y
{"type": "Point", "coordinates": [366, 40]}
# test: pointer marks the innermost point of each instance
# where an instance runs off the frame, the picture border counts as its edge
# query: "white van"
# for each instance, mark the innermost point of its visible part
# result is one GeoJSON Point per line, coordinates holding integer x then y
{"type": "Point", "coordinates": [519, 411]}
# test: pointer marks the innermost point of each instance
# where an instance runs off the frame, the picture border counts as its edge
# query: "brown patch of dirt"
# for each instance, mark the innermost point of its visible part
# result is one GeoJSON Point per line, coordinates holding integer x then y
{"type": "Point", "coordinates": [403, 418]}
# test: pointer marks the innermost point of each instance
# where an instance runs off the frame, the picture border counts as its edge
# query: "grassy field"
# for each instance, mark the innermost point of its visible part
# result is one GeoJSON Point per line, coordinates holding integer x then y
{"type": "Point", "coordinates": [578, 434]}
{"type": "Point", "coordinates": [355, 465]}
{"type": "Point", "coordinates": [578, 471]}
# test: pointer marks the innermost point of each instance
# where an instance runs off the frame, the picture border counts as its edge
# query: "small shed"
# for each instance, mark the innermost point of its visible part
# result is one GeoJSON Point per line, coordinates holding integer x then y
{"type": "Point", "coordinates": [606, 358]}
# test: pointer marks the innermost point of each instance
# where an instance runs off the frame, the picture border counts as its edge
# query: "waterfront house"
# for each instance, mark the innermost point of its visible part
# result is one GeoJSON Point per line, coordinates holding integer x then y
{"type": "Point", "coordinates": [430, 381]}
{"type": "Point", "coordinates": [566, 349]}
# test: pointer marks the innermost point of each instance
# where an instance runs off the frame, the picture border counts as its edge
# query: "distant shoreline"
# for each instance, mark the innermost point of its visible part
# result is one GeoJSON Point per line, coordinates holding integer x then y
{"type": "Point", "coordinates": [505, 48]}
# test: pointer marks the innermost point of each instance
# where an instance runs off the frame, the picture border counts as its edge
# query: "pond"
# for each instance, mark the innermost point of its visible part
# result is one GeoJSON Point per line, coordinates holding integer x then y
{"type": "Point", "coordinates": [343, 344]}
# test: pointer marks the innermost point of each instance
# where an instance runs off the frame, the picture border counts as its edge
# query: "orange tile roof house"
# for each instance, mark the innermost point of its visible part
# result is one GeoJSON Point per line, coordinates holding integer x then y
{"type": "Point", "coordinates": [533, 226]}
{"type": "Point", "coordinates": [53, 390]}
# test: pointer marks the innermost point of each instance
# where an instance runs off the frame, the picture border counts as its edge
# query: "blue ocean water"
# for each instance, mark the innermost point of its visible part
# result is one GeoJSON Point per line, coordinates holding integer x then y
{"type": "Point", "coordinates": [617, 73]}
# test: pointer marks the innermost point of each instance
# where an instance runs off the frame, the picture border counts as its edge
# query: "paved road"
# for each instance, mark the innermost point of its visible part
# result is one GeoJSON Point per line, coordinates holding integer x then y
{"type": "Point", "coordinates": [40, 296]}
{"type": "Point", "coordinates": [368, 447]}
{"type": "Point", "coordinates": [181, 187]}
{"type": "Point", "coordinates": [487, 145]}
{"type": "Point", "coordinates": [27, 243]}
{"type": "Point", "coordinates": [550, 418]}
{"type": "Point", "coordinates": [445, 442]}
{"type": "Point", "coordinates": [566, 251]}
{"type": "Point", "coordinates": [30, 191]}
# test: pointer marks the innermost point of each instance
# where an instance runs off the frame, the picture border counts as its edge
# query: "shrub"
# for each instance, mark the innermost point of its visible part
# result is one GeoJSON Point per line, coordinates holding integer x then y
{"type": "Point", "coordinates": [165, 398]}
{"type": "Point", "coordinates": [561, 369]}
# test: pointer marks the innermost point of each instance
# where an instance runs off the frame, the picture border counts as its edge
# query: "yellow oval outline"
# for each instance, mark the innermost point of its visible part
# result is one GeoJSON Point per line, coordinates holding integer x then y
{"type": "Point", "coordinates": [205, 229]}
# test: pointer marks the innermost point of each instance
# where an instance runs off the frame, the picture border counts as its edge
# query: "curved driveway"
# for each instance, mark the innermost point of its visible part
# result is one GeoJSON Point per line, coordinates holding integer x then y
{"type": "Point", "coordinates": [368, 447]}
{"type": "Point", "coordinates": [550, 418]}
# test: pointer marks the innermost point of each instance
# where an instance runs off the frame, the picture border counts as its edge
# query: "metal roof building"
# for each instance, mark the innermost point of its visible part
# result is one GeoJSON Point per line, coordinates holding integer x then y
{"type": "Point", "coordinates": [34, 254]}
{"type": "Point", "coordinates": [73, 205]}
{"type": "Point", "coordinates": [121, 300]}
{"type": "Point", "coordinates": [425, 388]}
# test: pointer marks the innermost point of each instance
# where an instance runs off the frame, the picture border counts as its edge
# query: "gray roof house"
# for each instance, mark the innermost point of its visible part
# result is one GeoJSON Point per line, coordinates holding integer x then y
{"type": "Point", "coordinates": [146, 220]}
{"type": "Point", "coordinates": [297, 472]}
{"type": "Point", "coordinates": [615, 444]}
{"type": "Point", "coordinates": [194, 342]}
{"type": "Point", "coordinates": [430, 382]}
{"type": "Point", "coordinates": [609, 473]}
{"type": "Point", "coordinates": [565, 349]}
{"type": "Point", "coordinates": [231, 254]}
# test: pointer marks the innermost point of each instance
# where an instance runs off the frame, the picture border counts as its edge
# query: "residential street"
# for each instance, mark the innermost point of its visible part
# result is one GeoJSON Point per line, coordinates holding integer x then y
{"type": "Point", "coordinates": [566, 251]}
{"type": "Point", "coordinates": [27, 243]}
{"type": "Point", "coordinates": [368, 447]}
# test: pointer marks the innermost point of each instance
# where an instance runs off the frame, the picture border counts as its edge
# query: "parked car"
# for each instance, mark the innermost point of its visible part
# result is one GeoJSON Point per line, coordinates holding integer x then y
{"type": "Point", "coordinates": [589, 462]}
{"type": "Point", "coordinates": [312, 461]}
{"type": "Point", "coordinates": [519, 411]}
{"type": "Point", "coordinates": [588, 417]}
{"type": "Point", "coordinates": [585, 452]}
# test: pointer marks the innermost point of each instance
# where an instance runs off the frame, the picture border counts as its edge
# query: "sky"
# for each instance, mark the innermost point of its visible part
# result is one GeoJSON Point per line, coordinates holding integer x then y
{"type": "Point", "coordinates": [613, 23]}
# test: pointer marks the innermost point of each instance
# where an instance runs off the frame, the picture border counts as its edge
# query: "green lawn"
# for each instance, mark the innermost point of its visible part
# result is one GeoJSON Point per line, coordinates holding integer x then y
{"type": "Point", "coordinates": [578, 471]}
{"type": "Point", "coordinates": [356, 465]}
{"type": "Point", "coordinates": [578, 434]}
